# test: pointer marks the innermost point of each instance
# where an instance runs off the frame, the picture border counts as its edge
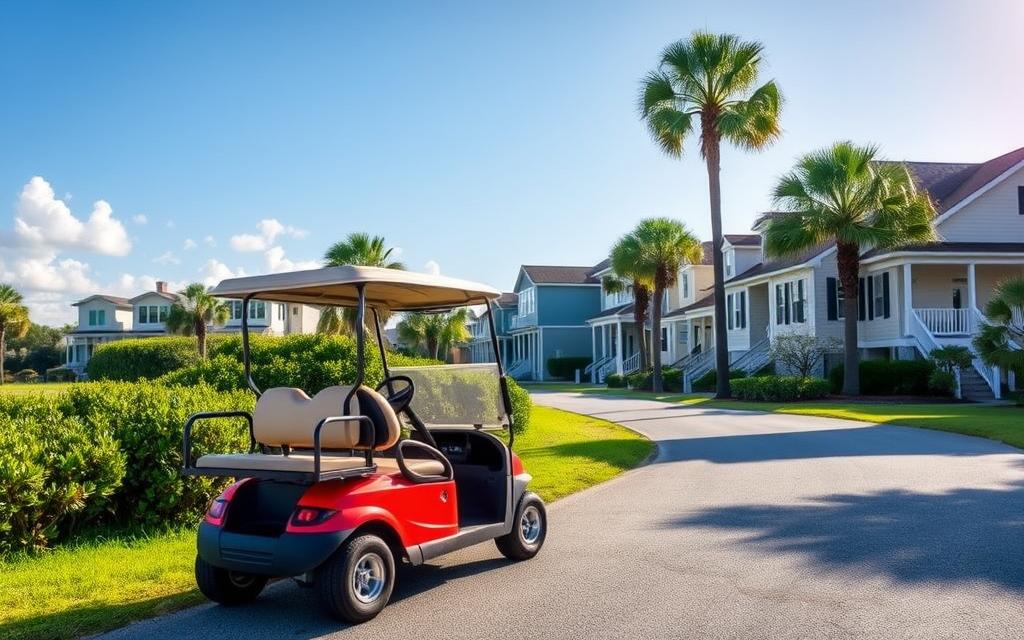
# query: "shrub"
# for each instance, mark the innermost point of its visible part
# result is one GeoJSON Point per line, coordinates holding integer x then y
{"type": "Point", "coordinates": [779, 388]}
{"type": "Point", "coordinates": [637, 379]}
{"type": "Point", "coordinates": [888, 377]}
{"type": "Point", "coordinates": [672, 379]}
{"type": "Point", "coordinates": [615, 381]}
{"type": "Point", "coordinates": [709, 380]}
{"type": "Point", "coordinates": [141, 358]}
{"type": "Point", "coordinates": [942, 383]}
{"type": "Point", "coordinates": [60, 374]}
{"type": "Point", "coordinates": [522, 405]}
{"type": "Point", "coordinates": [1018, 397]}
{"type": "Point", "coordinates": [802, 354]}
{"type": "Point", "coordinates": [26, 375]}
{"type": "Point", "coordinates": [951, 357]}
{"type": "Point", "coordinates": [55, 472]}
{"type": "Point", "coordinates": [565, 368]}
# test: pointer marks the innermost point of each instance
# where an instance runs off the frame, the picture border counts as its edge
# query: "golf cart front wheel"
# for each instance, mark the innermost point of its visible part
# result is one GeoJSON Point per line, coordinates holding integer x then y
{"type": "Point", "coordinates": [356, 582]}
{"type": "Point", "coordinates": [228, 588]}
{"type": "Point", "coordinates": [529, 530]}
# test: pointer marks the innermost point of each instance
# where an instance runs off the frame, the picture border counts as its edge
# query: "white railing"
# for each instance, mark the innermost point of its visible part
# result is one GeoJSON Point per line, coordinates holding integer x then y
{"type": "Point", "coordinates": [598, 368]}
{"type": "Point", "coordinates": [755, 358]}
{"type": "Point", "coordinates": [631, 364]}
{"type": "Point", "coordinates": [519, 368]}
{"type": "Point", "coordinates": [607, 368]}
{"type": "Point", "coordinates": [947, 322]}
{"type": "Point", "coordinates": [699, 365]}
{"type": "Point", "coordinates": [992, 375]}
{"type": "Point", "coordinates": [926, 343]}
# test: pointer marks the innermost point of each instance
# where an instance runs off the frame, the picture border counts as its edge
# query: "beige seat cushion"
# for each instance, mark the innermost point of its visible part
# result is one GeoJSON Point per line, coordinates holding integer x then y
{"type": "Point", "coordinates": [287, 416]}
{"type": "Point", "coordinates": [422, 467]}
{"type": "Point", "coordinates": [303, 462]}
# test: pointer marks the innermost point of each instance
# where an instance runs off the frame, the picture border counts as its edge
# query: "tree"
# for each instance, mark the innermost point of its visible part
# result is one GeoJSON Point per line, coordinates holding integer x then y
{"type": "Point", "coordinates": [665, 246]}
{"type": "Point", "coordinates": [842, 194]}
{"type": "Point", "coordinates": [434, 334]}
{"type": "Point", "coordinates": [194, 311]}
{"type": "Point", "coordinates": [802, 353]}
{"type": "Point", "coordinates": [1000, 342]}
{"type": "Point", "coordinates": [711, 77]}
{"type": "Point", "coordinates": [359, 249]}
{"type": "Point", "coordinates": [14, 321]}
{"type": "Point", "coordinates": [627, 268]}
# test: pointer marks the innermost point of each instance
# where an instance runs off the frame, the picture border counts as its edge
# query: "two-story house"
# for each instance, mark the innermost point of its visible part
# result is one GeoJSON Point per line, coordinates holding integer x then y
{"type": "Point", "coordinates": [553, 304]}
{"type": "Point", "coordinates": [479, 348]}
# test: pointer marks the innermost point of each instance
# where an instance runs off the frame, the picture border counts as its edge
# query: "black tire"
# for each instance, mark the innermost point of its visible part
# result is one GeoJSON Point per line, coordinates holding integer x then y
{"type": "Point", "coordinates": [529, 530]}
{"type": "Point", "coordinates": [336, 579]}
{"type": "Point", "coordinates": [229, 588]}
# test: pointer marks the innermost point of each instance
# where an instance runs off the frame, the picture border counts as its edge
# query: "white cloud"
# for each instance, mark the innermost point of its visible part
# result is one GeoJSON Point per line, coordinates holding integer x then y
{"type": "Point", "coordinates": [432, 267]}
{"type": "Point", "coordinates": [276, 262]}
{"type": "Point", "coordinates": [51, 275]}
{"type": "Point", "coordinates": [189, 244]}
{"type": "Point", "coordinates": [209, 241]}
{"type": "Point", "coordinates": [213, 271]}
{"type": "Point", "coordinates": [140, 218]}
{"type": "Point", "coordinates": [129, 285]}
{"type": "Point", "coordinates": [167, 258]}
{"type": "Point", "coordinates": [41, 221]}
{"type": "Point", "coordinates": [269, 230]}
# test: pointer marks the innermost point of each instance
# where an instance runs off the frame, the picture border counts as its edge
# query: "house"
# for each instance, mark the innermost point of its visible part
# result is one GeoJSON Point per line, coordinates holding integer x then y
{"type": "Point", "coordinates": [479, 348]}
{"type": "Point", "coordinates": [105, 318]}
{"type": "Point", "coordinates": [913, 299]}
{"type": "Point", "coordinates": [553, 304]}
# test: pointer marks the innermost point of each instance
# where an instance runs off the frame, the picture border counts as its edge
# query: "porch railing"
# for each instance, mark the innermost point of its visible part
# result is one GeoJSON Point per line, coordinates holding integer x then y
{"type": "Point", "coordinates": [755, 358]}
{"type": "Point", "coordinates": [631, 364]}
{"type": "Point", "coordinates": [519, 368]}
{"type": "Point", "coordinates": [599, 368]}
{"type": "Point", "coordinates": [926, 343]}
{"type": "Point", "coordinates": [947, 322]}
{"type": "Point", "coordinates": [992, 375]}
{"type": "Point", "coordinates": [699, 365]}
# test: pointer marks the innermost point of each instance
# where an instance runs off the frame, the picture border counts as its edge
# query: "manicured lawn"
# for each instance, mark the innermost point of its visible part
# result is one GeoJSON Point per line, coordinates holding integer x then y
{"type": "Point", "coordinates": [1004, 423]}
{"type": "Point", "coordinates": [100, 585]}
{"type": "Point", "coordinates": [39, 387]}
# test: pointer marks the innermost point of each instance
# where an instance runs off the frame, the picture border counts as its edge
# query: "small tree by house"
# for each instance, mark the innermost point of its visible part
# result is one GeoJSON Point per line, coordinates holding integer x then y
{"type": "Point", "coordinates": [802, 354]}
{"type": "Point", "coordinates": [1000, 342]}
{"type": "Point", "coordinates": [627, 267]}
{"type": "Point", "coordinates": [434, 334]}
{"type": "Point", "coordinates": [14, 322]}
{"type": "Point", "coordinates": [194, 311]}
{"type": "Point", "coordinates": [361, 250]}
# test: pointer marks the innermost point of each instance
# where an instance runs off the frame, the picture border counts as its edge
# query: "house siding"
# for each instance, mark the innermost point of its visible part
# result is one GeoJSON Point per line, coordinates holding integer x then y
{"type": "Point", "coordinates": [567, 305]}
{"type": "Point", "coordinates": [564, 343]}
{"type": "Point", "coordinates": [891, 328]}
{"type": "Point", "coordinates": [992, 217]}
{"type": "Point", "coordinates": [116, 319]}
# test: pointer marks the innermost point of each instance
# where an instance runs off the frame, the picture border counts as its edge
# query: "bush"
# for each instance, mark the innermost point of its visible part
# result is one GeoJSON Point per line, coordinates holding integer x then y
{"type": "Point", "coordinates": [888, 377]}
{"type": "Point", "coordinates": [26, 375]}
{"type": "Point", "coordinates": [56, 472]}
{"type": "Point", "coordinates": [60, 374]}
{"type": "Point", "coordinates": [565, 368]}
{"type": "Point", "coordinates": [672, 379]}
{"type": "Point", "coordinates": [709, 381]}
{"type": "Point", "coordinates": [951, 357]}
{"type": "Point", "coordinates": [1018, 397]}
{"type": "Point", "coordinates": [141, 358]}
{"type": "Point", "coordinates": [637, 379]}
{"type": "Point", "coordinates": [615, 381]}
{"type": "Point", "coordinates": [779, 388]}
{"type": "Point", "coordinates": [942, 383]}
{"type": "Point", "coordinates": [522, 405]}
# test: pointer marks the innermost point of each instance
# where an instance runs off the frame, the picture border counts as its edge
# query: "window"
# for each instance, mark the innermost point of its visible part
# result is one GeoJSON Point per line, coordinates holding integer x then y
{"type": "Point", "coordinates": [664, 338]}
{"type": "Point", "coordinates": [728, 263]}
{"type": "Point", "coordinates": [834, 291]}
{"type": "Point", "coordinates": [799, 297]}
{"type": "Point", "coordinates": [97, 317]}
{"type": "Point", "coordinates": [295, 310]}
{"type": "Point", "coordinates": [736, 310]}
{"type": "Point", "coordinates": [780, 305]}
{"type": "Point", "coordinates": [257, 310]}
{"type": "Point", "coordinates": [791, 302]}
{"type": "Point", "coordinates": [684, 284]}
{"type": "Point", "coordinates": [280, 312]}
{"type": "Point", "coordinates": [873, 300]}
{"type": "Point", "coordinates": [143, 314]}
{"type": "Point", "coordinates": [528, 301]}
{"type": "Point", "coordinates": [235, 309]}
{"type": "Point", "coordinates": [878, 301]}
{"type": "Point", "coordinates": [163, 313]}
{"type": "Point", "coordinates": [154, 313]}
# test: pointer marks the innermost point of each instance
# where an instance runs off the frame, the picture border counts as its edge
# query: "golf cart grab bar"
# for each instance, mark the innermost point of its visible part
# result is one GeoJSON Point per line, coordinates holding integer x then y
{"type": "Point", "coordinates": [414, 477]}
{"type": "Point", "coordinates": [364, 421]}
{"type": "Point", "coordinates": [186, 439]}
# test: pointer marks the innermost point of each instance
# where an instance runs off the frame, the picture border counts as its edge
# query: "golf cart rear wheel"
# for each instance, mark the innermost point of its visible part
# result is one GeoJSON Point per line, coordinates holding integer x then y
{"type": "Point", "coordinates": [228, 588]}
{"type": "Point", "coordinates": [356, 582]}
{"type": "Point", "coordinates": [529, 530]}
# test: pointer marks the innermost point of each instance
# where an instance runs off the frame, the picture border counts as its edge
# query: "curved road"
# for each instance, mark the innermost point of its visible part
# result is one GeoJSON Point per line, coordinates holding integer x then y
{"type": "Point", "coordinates": [746, 525]}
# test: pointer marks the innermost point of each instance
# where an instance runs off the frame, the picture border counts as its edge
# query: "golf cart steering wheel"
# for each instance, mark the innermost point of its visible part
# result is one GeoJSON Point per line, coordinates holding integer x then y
{"type": "Point", "coordinates": [398, 397]}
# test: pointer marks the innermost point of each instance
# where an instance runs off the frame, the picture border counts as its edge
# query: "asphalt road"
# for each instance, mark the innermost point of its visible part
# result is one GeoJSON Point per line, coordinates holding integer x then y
{"type": "Point", "coordinates": [745, 526]}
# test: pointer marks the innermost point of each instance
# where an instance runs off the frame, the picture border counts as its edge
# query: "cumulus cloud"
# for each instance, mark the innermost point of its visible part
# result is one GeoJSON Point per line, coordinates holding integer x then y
{"type": "Point", "coordinates": [42, 220]}
{"type": "Point", "coordinates": [213, 271]}
{"type": "Point", "coordinates": [269, 230]}
{"type": "Point", "coordinates": [129, 285]}
{"type": "Point", "coordinates": [140, 218]}
{"type": "Point", "coordinates": [167, 258]}
{"type": "Point", "coordinates": [51, 275]}
{"type": "Point", "coordinates": [189, 244]}
{"type": "Point", "coordinates": [276, 262]}
{"type": "Point", "coordinates": [432, 267]}
{"type": "Point", "coordinates": [209, 241]}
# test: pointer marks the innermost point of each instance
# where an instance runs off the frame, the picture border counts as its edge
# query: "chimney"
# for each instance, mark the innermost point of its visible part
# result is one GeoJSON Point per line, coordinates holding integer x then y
{"type": "Point", "coordinates": [161, 286]}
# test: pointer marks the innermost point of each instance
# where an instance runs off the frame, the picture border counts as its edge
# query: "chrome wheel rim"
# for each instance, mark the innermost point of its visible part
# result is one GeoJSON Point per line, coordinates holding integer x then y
{"type": "Point", "coordinates": [530, 524]}
{"type": "Point", "coordinates": [368, 578]}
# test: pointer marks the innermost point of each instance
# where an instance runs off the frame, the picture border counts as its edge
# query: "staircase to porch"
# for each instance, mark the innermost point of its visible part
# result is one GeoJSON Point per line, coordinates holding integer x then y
{"type": "Point", "coordinates": [934, 328]}
{"type": "Point", "coordinates": [520, 370]}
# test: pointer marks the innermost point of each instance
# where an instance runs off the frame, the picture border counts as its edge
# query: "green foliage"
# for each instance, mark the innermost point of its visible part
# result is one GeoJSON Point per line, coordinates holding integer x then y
{"type": "Point", "coordinates": [1000, 342]}
{"type": "Point", "coordinates": [565, 368]}
{"type": "Point", "coordinates": [60, 374]}
{"type": "Point", "coordinates": [615, 381]}
{"type": "Point", "coordinates": [779, 388]}
{"type": "Point", "coordinates": [709, 380]}
{"type": "Point", "coordinates": [141, 358]}
{"type": "Point", "coordinates": [951, 357]}
{"type": "Point", "coordinates": [672, 380]}
{"type": "Point", "coordinates": [942, 382]}
{"type": "Point", "coordinates": [26, 375]}
{"type": "Point", "coordinates": [522, 406]}
{"type": "Point", "coordinates": [637, 379]}
{"type": "Point", "coordinates": [888, 377]}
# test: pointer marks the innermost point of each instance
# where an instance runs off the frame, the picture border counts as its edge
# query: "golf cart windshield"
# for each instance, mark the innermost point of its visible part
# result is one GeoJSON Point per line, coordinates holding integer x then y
{"type": "Point", "coordinates": [457, 395]}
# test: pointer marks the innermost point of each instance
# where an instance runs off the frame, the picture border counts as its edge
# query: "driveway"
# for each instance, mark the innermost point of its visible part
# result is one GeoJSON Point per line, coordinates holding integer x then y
{"type": "Point", "coordinates": [746, 525]}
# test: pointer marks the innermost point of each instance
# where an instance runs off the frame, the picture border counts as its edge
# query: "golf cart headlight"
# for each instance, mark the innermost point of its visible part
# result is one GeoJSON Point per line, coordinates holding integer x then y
{"type": "Point", "coordinates": [309, 516]}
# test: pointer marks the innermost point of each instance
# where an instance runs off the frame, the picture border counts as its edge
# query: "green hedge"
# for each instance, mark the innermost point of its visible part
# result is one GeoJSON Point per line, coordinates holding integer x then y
{"type": "Point", "coordinates": [671, 380]}
{"type": "Point", "coordinates": [709, 381]}
{"type": "Point", "coordinates": [615, 381]}
{"type": "Point", "coordinates": [774, 388]}
{"type": "Point", "coordinates": [888, 377]}
{"type": "Point", "coordinates": [141, 358]}
{"type": "Point", "coordinates": [565, 368]}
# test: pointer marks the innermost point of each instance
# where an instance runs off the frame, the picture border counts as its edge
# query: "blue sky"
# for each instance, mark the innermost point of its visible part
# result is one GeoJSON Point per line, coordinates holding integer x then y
{"type": "Point", "coordinates": [473, 137]}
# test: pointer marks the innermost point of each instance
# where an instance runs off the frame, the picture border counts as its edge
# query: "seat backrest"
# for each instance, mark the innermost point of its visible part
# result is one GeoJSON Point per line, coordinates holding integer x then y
{"type": "Point", "coordinates": [288, 416]}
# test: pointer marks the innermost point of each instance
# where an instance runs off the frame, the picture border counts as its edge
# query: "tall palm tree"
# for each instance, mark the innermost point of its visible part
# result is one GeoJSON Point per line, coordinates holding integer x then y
{"type": "Point", "coordinates": [359, 249]}
{"type": "Point", "coordinates": [842, 194]}
{"type": "Point", "coordinates": [665, 246]}
{"type": "Point", "coordinates": [1001, 340]}
{"type": "Point", "coordinates": [13, 320]}
{"type": "Point", "coordinates": [627, 267]}
{"type": "Point", "coordinates": [434, 334]}
{"type": "Point", "coordinates": [194, 311]}
{"type": "Point", "coordinates": [711, 77]}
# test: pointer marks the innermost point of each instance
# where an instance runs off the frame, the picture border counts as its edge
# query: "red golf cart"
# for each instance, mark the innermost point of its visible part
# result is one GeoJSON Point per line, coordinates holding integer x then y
{"type": "Point", "coordinates": [337, 488]}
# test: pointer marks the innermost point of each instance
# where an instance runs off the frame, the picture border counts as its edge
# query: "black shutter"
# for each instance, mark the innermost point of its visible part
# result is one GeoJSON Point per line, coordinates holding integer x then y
{"type": "Point", "coordinates": [861, 299]}
{"type": "Point", "coordinates": [1020, 200]}
{"type": "Point", "coordinates": [789, 301]}
{"type": "Point", "coordinates": [730, 314]}
{"type": "Point", "coordinates": [833, 298]}
{"type": "Point", "coordinates": [885, 292]}
{"type": "Point", "coordinates": [871, 297]}
{"type": "Point", "coordinates": [743, 309]}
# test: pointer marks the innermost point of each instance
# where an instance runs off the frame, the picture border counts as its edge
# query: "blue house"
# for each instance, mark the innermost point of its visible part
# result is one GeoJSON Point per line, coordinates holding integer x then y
{"type": "Point", "coordinates": [553, 305]}
{"type": "Point", "coordinates": [479, 348]}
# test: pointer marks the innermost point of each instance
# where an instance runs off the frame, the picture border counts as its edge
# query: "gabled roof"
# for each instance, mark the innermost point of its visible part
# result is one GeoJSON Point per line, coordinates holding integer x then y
{"type": "Point", "coordinates": [173, 297]}
{"type": "Point", "coordinates": [952, 247]}
{"type": "Point", "coordinates": [744, 239]}
{"type": "Point", "coordinates": [614, 311]}
{"type": "Point", "coordinates": [600, 266]}
{"type": "Point", "coordinates": [706, 301]}
{"type": "Point", "coordinates": [551, 274]}
{"type": "Point", "coordinates": [778, 264]}
{"type": "Point", "coordinates": [507, 299]}
{"type": "Point", "coordinates": [114, 300]}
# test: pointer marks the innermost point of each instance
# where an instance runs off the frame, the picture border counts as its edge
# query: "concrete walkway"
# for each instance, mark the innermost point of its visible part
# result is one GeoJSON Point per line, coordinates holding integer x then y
{"type": "Point", "coordinates": [746, 525]}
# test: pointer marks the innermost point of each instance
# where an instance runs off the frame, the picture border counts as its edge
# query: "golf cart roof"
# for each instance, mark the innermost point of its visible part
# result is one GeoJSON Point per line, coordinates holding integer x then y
{"type": "Point", "coordinates": [391, 288]}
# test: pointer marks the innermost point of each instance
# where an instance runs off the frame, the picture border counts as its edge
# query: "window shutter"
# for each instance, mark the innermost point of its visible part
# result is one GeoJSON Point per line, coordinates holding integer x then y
{"type": "Point", "coordinates": [871, 297]}
{"type": "Point", "coordinates": [833, 298]}
{"type": "Point", "coordinates": [885, 292]}
{"type": "Point", "coordinates": [729, 310]}
{"type": "Point", "coordinates": [778, 304]}
{"type": "Point", "coordinates": [743, 309]}
{"type": "Point", "coordinates": [861, 300]}
{"type": "Point", "coordinates": [789, 301]}
{"type": "Point", "coordinates": [801, 301]}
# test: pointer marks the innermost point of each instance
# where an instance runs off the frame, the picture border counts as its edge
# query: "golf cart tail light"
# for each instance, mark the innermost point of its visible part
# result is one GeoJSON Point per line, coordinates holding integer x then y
{"type": "Point", "coordinates": [217, 508]}
{"type": "Point", "coordinates": [307, 516]}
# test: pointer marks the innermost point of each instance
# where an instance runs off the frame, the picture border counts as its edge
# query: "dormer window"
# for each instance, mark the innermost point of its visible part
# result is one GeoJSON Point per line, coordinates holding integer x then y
{"type": "Point", "coordinates": [684, 285]}
{"type": "Point", "coordinates": [97, 317]}
{"type": "Point", "coordinates": [729, 259]}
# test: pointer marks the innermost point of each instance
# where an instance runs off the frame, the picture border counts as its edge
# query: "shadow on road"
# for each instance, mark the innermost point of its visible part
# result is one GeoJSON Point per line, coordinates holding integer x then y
{"type": "Point", "coordinates": [952, 538]}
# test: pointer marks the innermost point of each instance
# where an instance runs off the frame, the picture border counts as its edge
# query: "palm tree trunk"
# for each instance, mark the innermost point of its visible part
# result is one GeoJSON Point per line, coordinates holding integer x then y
{"type": "Point", "coordinates": [848, 259]}
{"type": "Point", "coordinates": [711, 155]}
{"type": "Point", "coordinates": [201, 337]}
{"type": "Point", "coordinates": [642, 301]}
{"type": "Point", "coordinates": [3, 348]}
{"type": "Point", "coordinates": [656, 383]}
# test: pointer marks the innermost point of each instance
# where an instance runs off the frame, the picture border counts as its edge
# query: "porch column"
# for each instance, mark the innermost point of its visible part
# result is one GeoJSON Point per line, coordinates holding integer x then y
{"type": "Point", "coordinates": [593, 343]}
{"type": "Point", "coordinates": [604, 341]}
{"type": "Point", "coordinates": [618, 347]}
{"type": "Point", "coordinates": [972, 290]}
{"type": "Point", "coordinates": [908, 297]}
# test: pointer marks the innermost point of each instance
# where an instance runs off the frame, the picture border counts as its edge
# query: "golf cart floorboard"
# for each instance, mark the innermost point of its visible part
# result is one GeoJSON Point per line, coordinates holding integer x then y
{"type": "Point", "coordinates": [300, 477]}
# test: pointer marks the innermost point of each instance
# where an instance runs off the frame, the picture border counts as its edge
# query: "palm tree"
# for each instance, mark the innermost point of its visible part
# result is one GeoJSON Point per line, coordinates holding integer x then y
{"type": "Point", "coordinates": [434, 334]}
{"type": "Point", "coordinates": [359, 249]}
{"type": "Point", "coordinates": [14, 321]}
{"type": "Point", "coordinates": [194, 311]}
{"type": "Point", "coordinates": [1001, 340]}
{"type": "Point", "coordinates": [843, 195]}
{"type": "Point", "coordinates": [665, 245]}
{"type": "Point", "coordinates": [627, 268]}
{"type": "Point", "coordinates": [711, 76]}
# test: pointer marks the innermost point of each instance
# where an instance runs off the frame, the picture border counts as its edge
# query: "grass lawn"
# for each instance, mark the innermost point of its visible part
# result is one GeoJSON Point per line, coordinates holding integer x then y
{"type": "Point", "coordinates": [34, 387]}
{"type": "Point", "coordinates": [100, 585]}
{"type": "Point", "coordinates": [1004, 423]}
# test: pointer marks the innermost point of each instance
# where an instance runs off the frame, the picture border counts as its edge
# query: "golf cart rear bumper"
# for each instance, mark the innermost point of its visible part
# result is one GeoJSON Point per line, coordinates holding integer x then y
{"type": "Point", "coordinates": [290, 554]}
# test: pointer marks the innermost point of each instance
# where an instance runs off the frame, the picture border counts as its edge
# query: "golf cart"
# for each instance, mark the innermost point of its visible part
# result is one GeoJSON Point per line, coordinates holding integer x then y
{"type": "Point", "coordinates": [339, 487]}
